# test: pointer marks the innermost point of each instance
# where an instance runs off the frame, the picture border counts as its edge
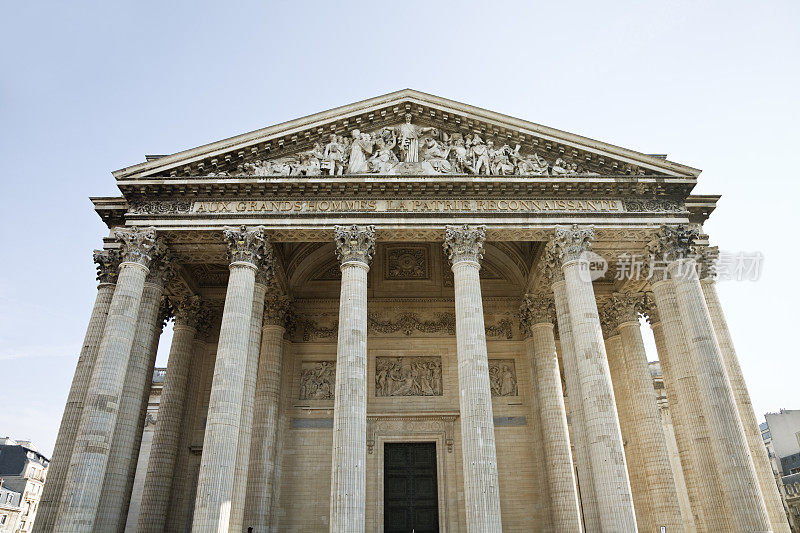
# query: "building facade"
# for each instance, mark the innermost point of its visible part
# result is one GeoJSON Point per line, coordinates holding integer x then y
{"type": "Point", "coordinates": [409, 313]}
{"type": "Point", "coordinates": [781, 433]}
{"type": "Point", "coordinates": [23, 469]}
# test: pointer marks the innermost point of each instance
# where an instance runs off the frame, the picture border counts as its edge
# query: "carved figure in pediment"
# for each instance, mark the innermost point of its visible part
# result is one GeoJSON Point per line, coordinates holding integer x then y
{"type": "Point", "coordinates": [560, 168]}
{"type": "Point", "coordinates": [436, 155]}
{"type": "Point", "coordinates": [501, 161]}
{"type": "Point", "coordinates": [478, 153]}
{"type": "Point", "coordinates": [383, 160]}
{"type": "Point", "coordinates": [458, 154]}
{"type": "Point", "coordinates": [361, 148]}
{"type": "Point", "coordinates": [333, 157]}
{"type": "Point", "coordinates": [531, 165]}
{"type": "Point", "coordinates": [409, 136]}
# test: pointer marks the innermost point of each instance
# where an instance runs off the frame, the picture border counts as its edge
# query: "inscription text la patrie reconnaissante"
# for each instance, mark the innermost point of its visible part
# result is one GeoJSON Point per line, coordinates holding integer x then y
{"type": "Point", "coordinates": [403, 206]}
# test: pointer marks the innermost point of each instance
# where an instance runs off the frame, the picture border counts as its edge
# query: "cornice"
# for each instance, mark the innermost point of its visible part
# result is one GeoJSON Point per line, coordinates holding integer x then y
{"type": "Point", "coordinates": [291, 136]}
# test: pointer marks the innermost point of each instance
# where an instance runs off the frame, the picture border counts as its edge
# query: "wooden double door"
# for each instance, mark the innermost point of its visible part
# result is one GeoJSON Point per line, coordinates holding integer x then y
{"type": "Point", "coordinates": [410, 495]}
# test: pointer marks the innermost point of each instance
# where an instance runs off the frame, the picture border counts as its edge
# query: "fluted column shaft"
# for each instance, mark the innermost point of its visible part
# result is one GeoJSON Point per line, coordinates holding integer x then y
{"type": "Point", "coordinates": [569, 357]}
{"type": "Point", "coordinates": [755, 442]}
{"type": "Point", "coordinates": [266, 419]}
{"type": "Point", "coordinates": [545, 374]}
{"type": "Point", "coordinates": [348, 474]}
{"type": "Point", "coordinates": [703, 481]}
{"type": "Point", "coordinates": [481, 490]}
{"type": "Point", "coordinates": [650, 441]}
{"type": "Point", "coordinates": [84, 482]}
{"type": "Point", "coordinates": [729, 444]}
{"type": "Point", "coordinates": [65, 441]}
{"type": "Point", "coordinates": [220, 447]}
{"type": "Point", "coordinates": [642, 503]}
{"type": "Point", "coordinates": [606, 452]}
{"type": "Point", "coordinates": [182, 495]}
{"type": "Point", "coordinates": [246, 427]}
{"type": "Point", "coordinates": [121, 469]}
{"type": "Point", "coordinates": [171, 409]}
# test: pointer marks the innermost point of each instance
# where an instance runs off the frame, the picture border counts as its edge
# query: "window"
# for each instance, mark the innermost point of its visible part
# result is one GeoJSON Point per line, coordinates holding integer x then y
{"type": "Point", "coordinates": [3, 519]}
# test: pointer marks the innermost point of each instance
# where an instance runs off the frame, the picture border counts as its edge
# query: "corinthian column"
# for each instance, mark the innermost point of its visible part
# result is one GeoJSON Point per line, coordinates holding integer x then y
{"type": "Point", "coordinates": [189, 316]}
{"type": "Point", "coordinates": [84, 482]}
{"type": "Point", "coordinates": [107, 266]}
{"type": "Point", "coordinates": [729, 444]}
{"type": "Point", "coordinates": [766, 480]}
{"type": "Point", "coordinates": [607, 456]}
{"type": "Point", "coordinates": [647, 442]}
{"type": "Point", "coordinates": [552, 272]}
{"type": "Point", "coordinates": [537, 323]}
{"type": "Point", "coordinates": [354, 247]}
{"type": "Point", "coordinates": [464, 248]}
{"type": "Point", "coordinates": [246, 252]}
{"type": "Point", "coordinates": [121, 469]}
{"type": "Point", "coordinates": [246, 427]}
{"type": "Point", "coordinates": [266, 417]}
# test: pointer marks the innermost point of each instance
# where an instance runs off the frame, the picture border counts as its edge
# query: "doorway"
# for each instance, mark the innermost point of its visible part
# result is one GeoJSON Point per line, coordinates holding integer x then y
{"type": "Point", "coordinates": [410, 494]}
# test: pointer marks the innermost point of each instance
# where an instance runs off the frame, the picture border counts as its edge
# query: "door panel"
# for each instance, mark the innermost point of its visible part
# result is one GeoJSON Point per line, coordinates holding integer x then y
{"type": "Point", "coordinates": [411, 501]}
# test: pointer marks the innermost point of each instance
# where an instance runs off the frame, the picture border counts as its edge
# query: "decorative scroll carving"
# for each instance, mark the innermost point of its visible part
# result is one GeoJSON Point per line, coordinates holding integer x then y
{"type": "Point", "coordinates": [107, 265]}
{"type": "Point", "coordinates": [407, 323]}
{"type": "Point", "coordinates": [420, 424]}
{"type": "Point", "coordinates": [464, 243]}
{"type": "Point", "coordinates": [408, 376]}
{"type": "Point", "coordinates": [356, 243]}
{"type": "Point", "coordinates": [411, 149]}
{"type": "Point", "coordinates": [653, 205]}
{"type": "Point", "coordinates": [503, 377]}
{"type": "Point", "coordinates": [406, 263]}
{"type": "Point", "coordinates": [190, 311]}
{"type": "Point", "coordinates": [248, 245]}
{"type": "Point", "coordinates": [159, 207]}
{"type": "Point", "coordinates": [312, 331]}
{"type": "Point", "coordinates": [504, 328]}
{"type": "Point", "coordinates": [570, 242]}
{"type": "Point", "coordinates": [317, 380]}
{"type": "Point", "coordinates": [137, 244]}
{"type": "Point", "coordinates": [536, 309]}
{"type": "Point", "coordinates": [673, 242]}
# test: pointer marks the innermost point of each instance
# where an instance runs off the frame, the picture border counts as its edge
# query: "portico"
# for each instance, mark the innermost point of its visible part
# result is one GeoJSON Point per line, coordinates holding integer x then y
{"type": "Point", "coordinates": [448, 284]}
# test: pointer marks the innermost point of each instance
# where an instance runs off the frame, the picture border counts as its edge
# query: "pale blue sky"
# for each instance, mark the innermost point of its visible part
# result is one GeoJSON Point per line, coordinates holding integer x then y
{"type": "Point", "coordinates": [87, 88]}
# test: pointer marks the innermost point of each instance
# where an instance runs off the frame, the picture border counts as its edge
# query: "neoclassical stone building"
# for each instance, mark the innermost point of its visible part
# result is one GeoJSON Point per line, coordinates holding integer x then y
{"type": "Point", "coordinates": [409, 313]}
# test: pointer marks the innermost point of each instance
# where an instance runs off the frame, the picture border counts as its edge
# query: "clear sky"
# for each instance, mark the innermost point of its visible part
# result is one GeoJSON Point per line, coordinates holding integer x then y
{"type": "Point", "coordinates": [90, 87]}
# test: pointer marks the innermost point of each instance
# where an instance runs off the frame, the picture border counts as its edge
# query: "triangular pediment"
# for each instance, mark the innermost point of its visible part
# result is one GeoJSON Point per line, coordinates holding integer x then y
{"type": "Point", "coordinates": [406, 132]}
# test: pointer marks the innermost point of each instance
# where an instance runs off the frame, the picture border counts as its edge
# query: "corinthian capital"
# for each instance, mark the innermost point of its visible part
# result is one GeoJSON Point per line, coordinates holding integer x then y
{"type": "Point", "coordinates": [671, 243]}
{"type": "Point", "coordinates": [707, 257]}
{"type": "Point", "coordinates": [356, 243]}
{"type": "Point", "coordinates": [650, 309]}
{"type": "Point", "coordinates": [137, 244]}
{"type": "Point", "coordinates": [276, 309]}
{"type": "Point", "coordinates": [570, 242]}
{"type": "Point", "coordinates": [246, 245]}
{"type": "Point", "coordinates": [266, 266]}
{"type": "Point", "coordinates": [625, 307]}
{"type": "Point", "coordinates": [163, 266]}
{"type": "Point", "coordinates": [107, 265]}
{"type": "Point", "coordinates": [464, 243]}
{"type": "Point", "coordinates": [192, 312]}
{"type": "Point", "coordinates": [536, 309]}
{"type": "Point", "coordinates": [550, 264]}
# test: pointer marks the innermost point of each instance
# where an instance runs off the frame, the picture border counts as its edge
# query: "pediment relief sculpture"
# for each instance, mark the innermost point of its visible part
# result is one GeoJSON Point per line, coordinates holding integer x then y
{"type": "Point", "coordinates": [411, 149]}
{"type": "Point", "coordinates": [408, 376]}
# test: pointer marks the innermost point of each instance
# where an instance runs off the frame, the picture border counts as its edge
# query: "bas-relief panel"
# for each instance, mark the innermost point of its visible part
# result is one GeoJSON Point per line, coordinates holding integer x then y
{"type": "Point", "coordinates": [408, 376]}
{"type": "Point", "coordinates": [503, 377]}
{"type": "Point", "coordinates": [317, 380]}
